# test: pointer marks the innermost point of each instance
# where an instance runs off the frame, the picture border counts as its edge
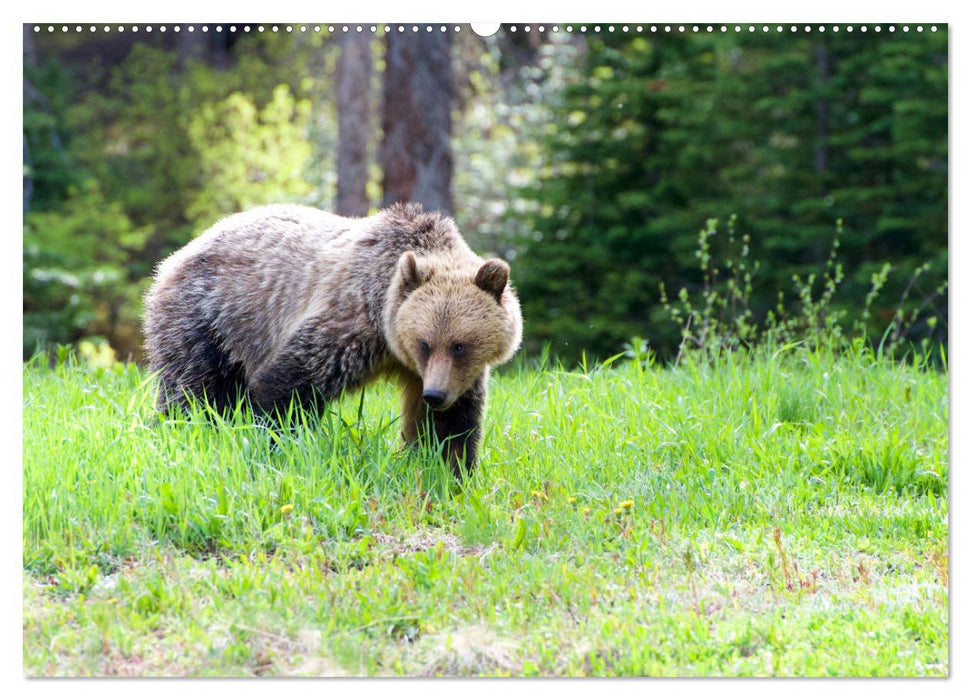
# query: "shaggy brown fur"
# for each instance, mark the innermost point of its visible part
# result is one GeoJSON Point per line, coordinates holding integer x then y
{"type": "Point", "coordinates": [285, 302]}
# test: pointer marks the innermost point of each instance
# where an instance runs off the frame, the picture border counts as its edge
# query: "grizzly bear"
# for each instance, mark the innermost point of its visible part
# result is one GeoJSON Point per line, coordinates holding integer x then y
{"type": "Point", "coordinates": [287, 302]}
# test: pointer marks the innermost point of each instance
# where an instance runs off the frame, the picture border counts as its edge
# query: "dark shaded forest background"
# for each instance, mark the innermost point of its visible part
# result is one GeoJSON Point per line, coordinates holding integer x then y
{"type": "Point", "coordinates": [622, 174]}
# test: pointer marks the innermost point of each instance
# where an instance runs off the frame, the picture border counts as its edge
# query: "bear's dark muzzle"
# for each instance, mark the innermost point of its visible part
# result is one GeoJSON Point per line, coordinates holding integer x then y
{"type": "Point", "coordinates": [434, 398]}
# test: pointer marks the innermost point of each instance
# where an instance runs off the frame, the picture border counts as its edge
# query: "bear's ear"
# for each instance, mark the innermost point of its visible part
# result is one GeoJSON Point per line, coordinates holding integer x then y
{"type": "Point", "coordinates": [492, 277]}
{"type": "Point", "coordinates": [411, 277]}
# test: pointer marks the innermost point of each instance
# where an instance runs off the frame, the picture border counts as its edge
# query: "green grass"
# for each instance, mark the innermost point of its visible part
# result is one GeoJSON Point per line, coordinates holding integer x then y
{"type": "Point", "coordinates": [777, 514]}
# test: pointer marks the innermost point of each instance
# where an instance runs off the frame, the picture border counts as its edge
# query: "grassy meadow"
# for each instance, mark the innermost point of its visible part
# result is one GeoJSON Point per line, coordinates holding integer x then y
{"type": "Point", "coordinates": [781, 512]}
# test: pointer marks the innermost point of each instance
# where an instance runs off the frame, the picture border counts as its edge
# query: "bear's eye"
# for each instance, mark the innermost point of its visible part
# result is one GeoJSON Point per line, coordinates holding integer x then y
{"type": "Point", "coordinates": [458, 349]}
{"type": "Point", "coordinates": [425, 348]}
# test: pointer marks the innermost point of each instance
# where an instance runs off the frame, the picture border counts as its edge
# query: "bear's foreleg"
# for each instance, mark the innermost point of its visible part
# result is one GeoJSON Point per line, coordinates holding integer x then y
{"type": "Point", "coordinates": [458, 428]}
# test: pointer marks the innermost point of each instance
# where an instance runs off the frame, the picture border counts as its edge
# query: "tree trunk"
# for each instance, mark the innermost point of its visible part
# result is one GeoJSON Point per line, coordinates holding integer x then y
{"type": "Point", "coordinates": [30, 49]}
{"type": "Point", "coordinates": [353, 109]}
{"type": "Point", "coordinates": [416, 152]}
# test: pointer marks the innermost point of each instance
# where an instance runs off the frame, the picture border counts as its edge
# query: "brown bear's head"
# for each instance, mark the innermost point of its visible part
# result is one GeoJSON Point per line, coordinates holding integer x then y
{"type": "Point", "coordinates": [451, 323]}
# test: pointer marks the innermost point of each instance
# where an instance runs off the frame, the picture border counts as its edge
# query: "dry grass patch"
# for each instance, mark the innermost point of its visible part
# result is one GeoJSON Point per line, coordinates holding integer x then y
{"type": "Point", "coordinates": [424, 540]}
{"type": "Point", "coordinates": [471, 651]}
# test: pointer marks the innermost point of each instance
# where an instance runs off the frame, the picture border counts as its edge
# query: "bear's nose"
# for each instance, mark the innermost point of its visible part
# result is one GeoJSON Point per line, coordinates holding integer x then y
{"type": "Point", "coordinates": [434, 398]}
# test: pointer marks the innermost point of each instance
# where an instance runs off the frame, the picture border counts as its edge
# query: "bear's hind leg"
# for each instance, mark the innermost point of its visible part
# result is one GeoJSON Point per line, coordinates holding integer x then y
{"type": "Point", "coordinates": [225, 382]}
{"type": "Point", "coordinates": [199, 368]}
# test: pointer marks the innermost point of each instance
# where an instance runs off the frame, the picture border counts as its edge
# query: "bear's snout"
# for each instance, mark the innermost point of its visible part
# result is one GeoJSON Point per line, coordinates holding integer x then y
{"type": "Point", "coordinates": [438, 382]}
{"type": "Point", "coordinates": [434, 397]}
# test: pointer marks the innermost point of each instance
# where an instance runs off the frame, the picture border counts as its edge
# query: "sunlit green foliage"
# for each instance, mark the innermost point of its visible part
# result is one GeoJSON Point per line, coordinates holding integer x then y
{"type": "Point", "coordinates": [76, 269]}
{"type": "Point", "coordinates": [247, 156]}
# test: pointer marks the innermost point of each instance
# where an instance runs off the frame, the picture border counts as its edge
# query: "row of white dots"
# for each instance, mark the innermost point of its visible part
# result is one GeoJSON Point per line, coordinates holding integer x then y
{"type": "Point", "coordinates": [739, 28]}
{"type": "Point", "coordinates": [248, 28]}
{"type": "Point", "coordinates": [443, 28]}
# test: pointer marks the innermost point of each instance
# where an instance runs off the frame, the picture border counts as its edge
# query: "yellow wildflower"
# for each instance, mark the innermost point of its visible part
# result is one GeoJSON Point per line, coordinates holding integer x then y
{"type": "Point", "coordinates": [286, 508]}
{"type": "Point", "coordinates": [626, 505]}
